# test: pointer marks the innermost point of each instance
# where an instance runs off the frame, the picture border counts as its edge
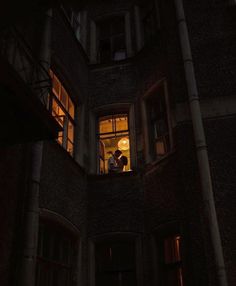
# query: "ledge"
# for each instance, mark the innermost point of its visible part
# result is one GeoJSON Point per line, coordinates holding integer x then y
{"type": "Point", "coordinates": [112, 175]}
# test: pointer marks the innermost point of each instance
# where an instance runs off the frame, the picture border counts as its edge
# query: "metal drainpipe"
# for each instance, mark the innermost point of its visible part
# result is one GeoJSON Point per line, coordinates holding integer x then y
{"type": "Point", "coordinates": [201, 148]}
{"type": "Point", "coordinates": [32, 212]}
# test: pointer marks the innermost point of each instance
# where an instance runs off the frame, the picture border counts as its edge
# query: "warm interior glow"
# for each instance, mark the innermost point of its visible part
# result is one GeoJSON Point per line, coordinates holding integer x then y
{"type": "Point", "coordinates": [123, 144]}
{"type": "Point", "coordinates": [113, 135]}
{"type": "Point", "coordinates": [63, 109]}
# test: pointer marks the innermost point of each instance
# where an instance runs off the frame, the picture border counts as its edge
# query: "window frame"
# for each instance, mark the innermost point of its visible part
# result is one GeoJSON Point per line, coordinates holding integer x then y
{"type": "Point", "coordinates": [125, 132]}
{"type": "Point", "coordinates": [167, 230]}
{"type": "Point", "coordinates": [54, 221]}
{"type": "Point", "coordinates": [131, 236]}
{"type": "Point", "coordinates": [68, 118]}
{"type": "Point", "coordinates": [111, 38]}
{"type": "Point", "coordinates": [93, 119]}
{"type": "Point", "coordinates": [149, 149]}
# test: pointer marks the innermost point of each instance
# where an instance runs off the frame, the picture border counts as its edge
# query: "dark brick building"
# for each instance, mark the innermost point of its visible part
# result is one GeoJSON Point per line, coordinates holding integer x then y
{"type": "Point", "coordinates": [155, 79]}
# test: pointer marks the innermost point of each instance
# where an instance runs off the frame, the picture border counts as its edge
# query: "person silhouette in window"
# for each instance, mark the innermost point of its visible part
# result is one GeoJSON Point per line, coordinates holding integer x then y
{"type": "Point", "coordinates": [116, 162]}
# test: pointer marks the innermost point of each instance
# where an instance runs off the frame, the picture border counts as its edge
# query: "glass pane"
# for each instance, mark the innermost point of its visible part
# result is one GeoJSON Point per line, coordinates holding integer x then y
{"type": "Point", "coordinates": [70, 131]}
{"type": "Point", "coordinates": [64, 97]}
{"type": "Point", "coordinates": [58, 113]}
{"type": "Point", "coordinates": [70, 147]}
{"type": "Point", "coordinates": [56, 85]}
{"type": "Point", "coordinates": [71, 108]}
{"type": "Point", "coordinates": [121, 123]}
{"type": "Point", "coordinates": [105, 125]}
{"type": "Point", "coordinates": [60, 138]}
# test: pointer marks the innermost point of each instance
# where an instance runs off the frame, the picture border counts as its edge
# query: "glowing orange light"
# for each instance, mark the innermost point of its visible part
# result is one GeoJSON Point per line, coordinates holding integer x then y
{"type": "Point", "coordinates": [123, 144]}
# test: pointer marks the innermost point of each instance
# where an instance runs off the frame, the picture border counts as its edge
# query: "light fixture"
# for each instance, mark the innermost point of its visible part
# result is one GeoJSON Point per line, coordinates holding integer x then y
{"type": "Point", "coordinates": [123, 143]}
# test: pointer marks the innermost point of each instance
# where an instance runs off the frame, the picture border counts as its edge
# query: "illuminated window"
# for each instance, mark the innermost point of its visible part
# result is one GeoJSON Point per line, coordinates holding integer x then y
{"type": "Point", "coordinates": [113, 135]}
{"type": "Point", "coordinates": [159, 128]}
{"type": "Point", "coordinates": [115, 263]}
{"type": "Point", "coordinates": [172, 270]}
{"type": "Point", "coordinates": [56, 258]}
{"type": "Point", "coordinates": [111, 39]}
{"type": "Point", "coordinates": [63, 109]}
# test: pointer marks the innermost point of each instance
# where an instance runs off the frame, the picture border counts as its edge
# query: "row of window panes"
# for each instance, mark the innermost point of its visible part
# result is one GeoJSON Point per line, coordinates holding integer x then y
{"type": "Point", "coordinates": [63, 110]}
{"type": "Point", "coordinates": [114, 126]}
{"type": "Point", "coordinates": [114, 123]}
{"type": "Point", "coordinates": [62, 95]}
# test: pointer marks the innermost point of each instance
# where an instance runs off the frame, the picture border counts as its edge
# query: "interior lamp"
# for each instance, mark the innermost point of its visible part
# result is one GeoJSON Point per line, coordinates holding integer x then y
{"type": "Point", "coordinates": [123, 143]}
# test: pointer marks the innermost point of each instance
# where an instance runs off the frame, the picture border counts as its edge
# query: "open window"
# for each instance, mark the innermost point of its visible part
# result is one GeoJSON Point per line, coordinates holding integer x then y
{"type": "Point", "coordinates": [63, 109]}
{"type": "Point", "coordinates": [113, 134]}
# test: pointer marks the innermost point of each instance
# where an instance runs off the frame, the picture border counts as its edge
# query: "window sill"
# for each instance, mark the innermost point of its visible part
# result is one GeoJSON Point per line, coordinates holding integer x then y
{"type": "Point", "coordinates": [113, 175]}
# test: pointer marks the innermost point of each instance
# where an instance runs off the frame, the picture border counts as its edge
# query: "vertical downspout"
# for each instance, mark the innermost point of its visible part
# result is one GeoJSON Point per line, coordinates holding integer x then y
{"type": "Point", "coordinates": [28, 265]}
{"type": "Point", "coordinates": [200, 142]}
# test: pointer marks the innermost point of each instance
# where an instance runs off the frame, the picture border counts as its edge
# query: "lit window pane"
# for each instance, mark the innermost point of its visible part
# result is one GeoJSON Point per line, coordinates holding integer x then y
{"type": "Point", "coordinates": [71, 108]}
{"type": "Point", "coordinates": [70, 147]}
{"type": "Point", "coordinates": [64, 97]}
{"type": "Point", "coordinates": [63, 110]}
{"type": "Point", "coordinates": [60, 138]}
{"type": "Point", "coordinates": [106, 125]}
{"type": "Point", "coordinates": [58, 113]}
{"type": "Point", "coordinates": [121, 123]}
{"type": "Point", "coordinates": [56, 86]}
{"type": "Point", "coordinates": [71, 131]}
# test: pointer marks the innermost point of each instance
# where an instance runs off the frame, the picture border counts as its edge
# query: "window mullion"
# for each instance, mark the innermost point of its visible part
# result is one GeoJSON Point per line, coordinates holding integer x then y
{"type": "Point", "coordinates": [65, 132]}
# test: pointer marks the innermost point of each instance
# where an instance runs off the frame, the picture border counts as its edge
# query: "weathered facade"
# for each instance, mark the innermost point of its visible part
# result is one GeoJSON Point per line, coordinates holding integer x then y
{"type": "Point", "coordinates": [69, 70]}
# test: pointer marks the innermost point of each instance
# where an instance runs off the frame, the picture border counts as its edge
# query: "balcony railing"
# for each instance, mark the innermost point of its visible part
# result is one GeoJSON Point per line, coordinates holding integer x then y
{"type": "Point", "coordinates": [18, 53]}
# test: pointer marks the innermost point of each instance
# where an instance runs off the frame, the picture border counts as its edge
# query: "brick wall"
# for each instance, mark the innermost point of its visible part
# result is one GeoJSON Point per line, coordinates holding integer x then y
{"type": "Point", "coordinates": [13, 169]}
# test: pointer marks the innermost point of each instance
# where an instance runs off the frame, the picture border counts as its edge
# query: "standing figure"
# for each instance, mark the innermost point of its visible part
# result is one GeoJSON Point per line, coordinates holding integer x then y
{"type": "Point", "coordinates": [114, 163]}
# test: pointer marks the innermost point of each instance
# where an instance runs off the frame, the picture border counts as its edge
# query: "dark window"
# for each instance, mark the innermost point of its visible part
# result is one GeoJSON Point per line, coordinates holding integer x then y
{"type": "Point", "coordinates": [150, 21]}
{"type": "Point", "coordinates": [56, 257]}
{"type": "Point", "coordinates": [115, 264]}
{"type": "Point", "coordinates": [111, 39]}
{"type": "Point", "coordinates": [158, 122]}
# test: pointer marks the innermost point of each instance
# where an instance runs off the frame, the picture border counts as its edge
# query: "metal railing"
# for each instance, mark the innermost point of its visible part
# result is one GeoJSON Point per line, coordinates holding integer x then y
{"type": "Point", "coordinates": [18, 53]}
